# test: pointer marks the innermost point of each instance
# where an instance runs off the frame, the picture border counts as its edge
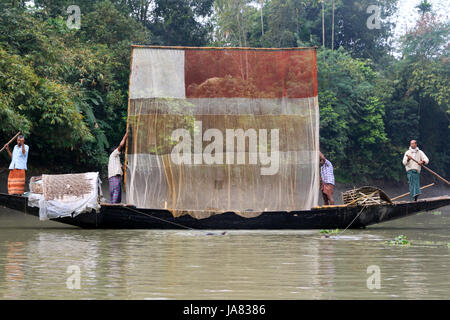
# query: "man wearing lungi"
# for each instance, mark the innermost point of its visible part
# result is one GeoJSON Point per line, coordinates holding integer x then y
{"type": "Point", "coordinates": [413, 168]}
{"type": "Point", "coordinates": [115, 173]}
{"type": "Point", "coordinates": [19, 158]}
{"type": "Point", "coordinates": [326, 180]}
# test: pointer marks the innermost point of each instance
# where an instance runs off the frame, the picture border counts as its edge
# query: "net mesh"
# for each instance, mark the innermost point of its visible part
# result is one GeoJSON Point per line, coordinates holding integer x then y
{"type": "Point", "coordinates": [217, 130]}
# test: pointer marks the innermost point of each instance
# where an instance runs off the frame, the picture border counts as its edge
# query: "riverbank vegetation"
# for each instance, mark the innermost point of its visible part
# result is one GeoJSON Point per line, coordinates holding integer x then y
{"type": "Point", "coordinates": [67, 89]}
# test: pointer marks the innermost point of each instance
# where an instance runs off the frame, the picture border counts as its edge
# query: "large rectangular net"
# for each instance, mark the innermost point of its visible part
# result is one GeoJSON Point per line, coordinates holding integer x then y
{"type": "Point", "coordinates": [214, 130]}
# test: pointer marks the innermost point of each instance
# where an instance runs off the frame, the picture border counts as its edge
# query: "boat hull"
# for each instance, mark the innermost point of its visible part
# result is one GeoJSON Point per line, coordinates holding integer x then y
{"type": "Point", "coordinates": [129, 217]}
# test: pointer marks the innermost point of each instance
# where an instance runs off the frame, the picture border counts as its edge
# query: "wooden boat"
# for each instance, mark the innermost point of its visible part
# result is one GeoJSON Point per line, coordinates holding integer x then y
{"type": "Point", "coordinates": [330, 217]}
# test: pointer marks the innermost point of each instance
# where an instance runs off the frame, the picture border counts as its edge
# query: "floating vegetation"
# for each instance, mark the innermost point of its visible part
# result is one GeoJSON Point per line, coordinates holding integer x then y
{"type": "Point", "coordinates": [327, 233]}
{"type": "Point", "coordinates": [399, 241]}
{"type": "Point", "coordinates": [403, 241]}
{"type": "Point", "coordinates": [436, 213]}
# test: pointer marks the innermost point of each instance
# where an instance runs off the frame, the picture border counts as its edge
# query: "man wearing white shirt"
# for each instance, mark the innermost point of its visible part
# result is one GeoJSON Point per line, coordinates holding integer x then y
{"type": "Point", "coordinates": [413, 168]}
{"type": "Point", "coordinates": [115, 173]}
{"type": "Point", "coordinates": [18, 166]}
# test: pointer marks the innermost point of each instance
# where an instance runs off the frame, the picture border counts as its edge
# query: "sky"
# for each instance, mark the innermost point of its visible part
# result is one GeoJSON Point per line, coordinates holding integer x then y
{"type": "Point", "coordinates": [407, 14]}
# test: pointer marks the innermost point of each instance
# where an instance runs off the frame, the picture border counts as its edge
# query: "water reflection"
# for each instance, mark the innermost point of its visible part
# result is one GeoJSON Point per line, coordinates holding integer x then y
{"type": "Point", "coordinates": [13, 268]}
{"type": "Point", "coordinates": [151, 264]}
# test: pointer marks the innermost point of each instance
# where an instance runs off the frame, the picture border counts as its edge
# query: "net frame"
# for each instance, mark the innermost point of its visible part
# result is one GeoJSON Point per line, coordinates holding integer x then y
{"type": "Point", "coordinates": [207, 213]}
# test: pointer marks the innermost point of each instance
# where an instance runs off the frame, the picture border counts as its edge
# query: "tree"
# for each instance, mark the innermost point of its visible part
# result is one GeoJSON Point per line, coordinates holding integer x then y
{"type": "Point", "coordinates": [40, 108]}
{"type": "Point", "coordinates": [232, 20]}
{"type": "Point", "coordinates": [420, 103]}
{"type": "Point", "coordinates": [291, 23]}
{"type": "Point", "coordinates": [423, 7]}
{"type": "Point", "coordinates": [77, 81]}
{"type": "Point", "coordinates": [179, 22]}
{"type": "Point", "coordinates": [352, 115]}
{"type": "Point", "coordinates": [425, 49]}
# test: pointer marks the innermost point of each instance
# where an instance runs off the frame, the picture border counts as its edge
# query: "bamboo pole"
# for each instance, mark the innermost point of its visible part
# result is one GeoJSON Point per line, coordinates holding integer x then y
{"type": "Point", "coordinates": [4, 147]}
{"type": "Point", "coordinates": [128, 125]}
{"type": "Point", "coordinates": [350, 203]}
{"type": "Point", "coordinates": [220, 48]}
{"type": "Point", "coordinates": [432, 172]}
{"type": "Point", "coordinates": [405, 194]}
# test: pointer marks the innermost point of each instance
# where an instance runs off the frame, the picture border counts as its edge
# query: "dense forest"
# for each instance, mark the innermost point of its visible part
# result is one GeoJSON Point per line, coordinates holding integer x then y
{"type": "Point", "coordinates": [67, 88]}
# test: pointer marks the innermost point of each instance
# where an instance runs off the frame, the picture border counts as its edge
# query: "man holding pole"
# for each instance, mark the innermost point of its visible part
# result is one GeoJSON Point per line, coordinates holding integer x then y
{"type": "Point", "coordinates": [326, 179]}
{"type": "Point", "coordinates": [18, 166]}
{"type": "Point", "coordinates": [413, 161]}
{"type": "Point", "coordinates": [115, 173]}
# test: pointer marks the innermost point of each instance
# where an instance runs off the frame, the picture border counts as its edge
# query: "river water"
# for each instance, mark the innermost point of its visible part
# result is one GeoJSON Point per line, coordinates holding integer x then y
{"type": "Point", "coordinates": [35, 258]}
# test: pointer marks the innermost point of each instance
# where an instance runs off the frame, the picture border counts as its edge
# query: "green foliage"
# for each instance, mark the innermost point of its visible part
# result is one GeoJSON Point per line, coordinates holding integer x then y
{"type": "Point", "coordinates": [423, 7]}
{"type": "Point", "coordinates": [328, 232]}
{"type": "Point", "coordinates": [352, 32]}
{"type": "Point", "coordinates": [291, 23]}
{"type": "Point", "coordinates": [333, 126]}
{"type": "Point", "coordinates": [39, 107]}
{"type": "Point", "coordinates": [64, 91]}
{"type": "Point", "coordinates": [352, 129]}
{"type": "Point", "coordinates": [421, 84]}
{"type": "Point", "coordinates": [176, 22]}
{"type": "Point", "coordinates": [399, 241]}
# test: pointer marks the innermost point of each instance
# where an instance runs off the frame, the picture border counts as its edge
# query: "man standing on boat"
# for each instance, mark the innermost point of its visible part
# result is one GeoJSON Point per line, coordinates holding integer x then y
{"type": "Point", "coordinates": [115, 173]}
{"type": "Point", "coordinates": [413, 168]}
{"type": "Point", "coordinates": [326, 180]}
{"type": "Point", "coordinates": [18, 166]}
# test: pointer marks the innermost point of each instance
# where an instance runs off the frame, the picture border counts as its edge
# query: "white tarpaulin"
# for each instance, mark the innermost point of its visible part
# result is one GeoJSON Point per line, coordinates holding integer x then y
{"type": "Point", "coordinates": [65, 195]}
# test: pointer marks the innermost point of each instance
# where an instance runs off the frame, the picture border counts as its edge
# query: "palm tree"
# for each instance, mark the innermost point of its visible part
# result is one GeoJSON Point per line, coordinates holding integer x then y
{"type": "Point", "coordinates": [423, 7]}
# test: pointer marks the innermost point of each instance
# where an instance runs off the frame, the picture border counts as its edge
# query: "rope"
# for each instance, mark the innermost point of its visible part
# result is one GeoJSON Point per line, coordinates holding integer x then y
{"type": "Point", "coordinates": [359, 213]}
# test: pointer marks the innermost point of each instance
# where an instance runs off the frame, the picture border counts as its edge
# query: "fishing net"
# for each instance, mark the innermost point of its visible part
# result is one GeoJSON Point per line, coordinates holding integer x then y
{"type": "Point", "coordinates": [214, 130]}
{"type": "Point", "coordinates": [65, 195]}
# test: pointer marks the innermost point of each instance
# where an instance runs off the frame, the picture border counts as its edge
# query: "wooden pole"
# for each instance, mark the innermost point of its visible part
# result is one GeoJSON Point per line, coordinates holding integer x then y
{"type": "Point", "coordinates": [432, 172]}
{"type": "Point", "coordinates": [352, 202]}
{"type": "Point", "coordinates": [128, 125]}
{"type": "Point", "coordinates": [405, 194]}
{"type": "Point", "coordinates": [10, 141]}
{"type": "Point", "coordinates": [220, 48]}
